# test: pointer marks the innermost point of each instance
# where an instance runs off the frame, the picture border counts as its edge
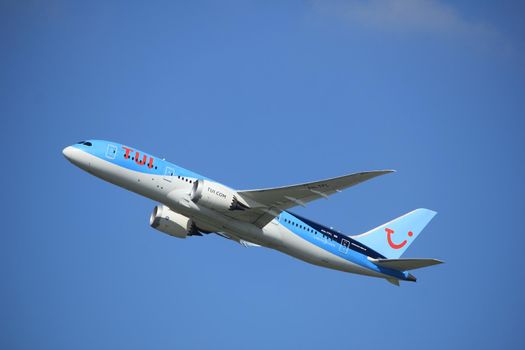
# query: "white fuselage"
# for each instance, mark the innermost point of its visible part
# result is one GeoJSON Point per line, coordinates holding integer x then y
{"type": "Point", "coordinates": [173, 192]}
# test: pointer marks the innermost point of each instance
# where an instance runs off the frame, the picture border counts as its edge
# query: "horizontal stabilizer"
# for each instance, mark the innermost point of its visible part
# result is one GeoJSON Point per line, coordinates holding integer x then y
{"type": "Point", "coordinates": [405, 264]}
{"type": "Point", "coordinates": [394, 281]}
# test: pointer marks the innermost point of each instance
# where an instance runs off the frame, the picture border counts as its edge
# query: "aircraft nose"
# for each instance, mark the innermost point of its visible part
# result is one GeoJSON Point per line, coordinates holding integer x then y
{"type": "Point", "coordinates": [68, 152]}
{"type": "Point", "coordinates": [77, 156]}
{"type": "Point", "coordinates": [74, 155]}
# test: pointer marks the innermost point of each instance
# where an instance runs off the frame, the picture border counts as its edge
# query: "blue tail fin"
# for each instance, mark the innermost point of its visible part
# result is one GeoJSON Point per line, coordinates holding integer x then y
{"type": "Point", "coordinates": [393, 238]}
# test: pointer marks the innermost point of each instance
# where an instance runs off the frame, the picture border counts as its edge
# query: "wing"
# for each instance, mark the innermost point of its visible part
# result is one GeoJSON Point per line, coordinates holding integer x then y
{"type": "Point", "coordinates": [266, 204]}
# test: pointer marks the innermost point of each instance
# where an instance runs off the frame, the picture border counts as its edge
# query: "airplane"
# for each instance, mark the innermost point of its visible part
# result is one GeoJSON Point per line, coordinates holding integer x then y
{"type": "Point", "coordinates": [194, 205]}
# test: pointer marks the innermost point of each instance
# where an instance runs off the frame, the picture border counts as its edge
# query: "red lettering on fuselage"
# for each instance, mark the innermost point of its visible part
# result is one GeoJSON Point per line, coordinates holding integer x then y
{"type": "Point", "coordinates": [128, 151]}
{"type": "Point", "coordinates": [142, 161]}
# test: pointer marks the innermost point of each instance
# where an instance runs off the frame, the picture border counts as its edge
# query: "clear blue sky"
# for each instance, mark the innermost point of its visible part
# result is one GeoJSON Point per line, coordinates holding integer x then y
{"type": "Point", "coordinates": [260, 94]}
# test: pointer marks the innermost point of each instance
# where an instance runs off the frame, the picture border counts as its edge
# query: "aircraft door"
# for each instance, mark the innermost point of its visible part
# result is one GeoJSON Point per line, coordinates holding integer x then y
{"type": "Point", "coordinates": [169, 173]}
{"type": "Point", "coordinates": [344, 246]}
{"type": "Point", "coordinates": [111, 151]}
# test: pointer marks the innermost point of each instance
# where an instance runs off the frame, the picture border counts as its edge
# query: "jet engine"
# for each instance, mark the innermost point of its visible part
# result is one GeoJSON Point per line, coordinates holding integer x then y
{"type": "Point", "coordinates": [174, 224]}
{"type": "Point", "coordinates": [216, 196]}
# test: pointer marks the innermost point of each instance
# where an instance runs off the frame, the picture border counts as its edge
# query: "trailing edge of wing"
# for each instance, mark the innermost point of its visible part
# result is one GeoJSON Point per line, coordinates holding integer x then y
{"type": "Point", "coordinates": [320, 187]}
{"type": "Point", "coordinates": [248, 244]}
{"type": "Point", "coordinates": [265, 204]}
{"type": "Point", "coordinates": [242, 242]}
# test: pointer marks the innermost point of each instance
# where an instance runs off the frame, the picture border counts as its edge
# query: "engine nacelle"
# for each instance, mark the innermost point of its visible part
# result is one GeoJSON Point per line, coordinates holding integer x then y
{"type": "Point", "coordinates": [174, 224]}
{"type": "Point", "coordinates": [216, 196]}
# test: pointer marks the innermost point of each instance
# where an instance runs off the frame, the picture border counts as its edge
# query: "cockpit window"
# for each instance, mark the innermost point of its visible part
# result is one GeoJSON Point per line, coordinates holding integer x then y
{"type": "Point", "coordinates": [88, 144]}
{"type": "Point", "coordinates": [80, 142]}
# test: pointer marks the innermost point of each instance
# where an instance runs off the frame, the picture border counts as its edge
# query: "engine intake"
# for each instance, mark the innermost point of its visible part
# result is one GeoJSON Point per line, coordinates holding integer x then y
{"type": "Point", "coordinates": [174, 224]}
{"type": "Point", "coordinates": [216, 196]}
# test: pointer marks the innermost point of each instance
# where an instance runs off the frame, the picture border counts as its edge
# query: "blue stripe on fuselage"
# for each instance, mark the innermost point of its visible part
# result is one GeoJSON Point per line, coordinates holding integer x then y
{"type": "Point", "coordinates": [103, 149]}
{"type": "Point", "coordinates": [332, 242]}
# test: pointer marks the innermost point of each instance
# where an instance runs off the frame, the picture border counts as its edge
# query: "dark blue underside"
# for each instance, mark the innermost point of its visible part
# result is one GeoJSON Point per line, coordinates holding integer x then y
{"type": "Point", "coordinates": [338, 237]}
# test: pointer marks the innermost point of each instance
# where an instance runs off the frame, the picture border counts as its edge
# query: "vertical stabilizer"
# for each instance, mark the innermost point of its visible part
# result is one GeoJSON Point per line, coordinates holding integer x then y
{"type": "Point", "coordinates": [393, 238]}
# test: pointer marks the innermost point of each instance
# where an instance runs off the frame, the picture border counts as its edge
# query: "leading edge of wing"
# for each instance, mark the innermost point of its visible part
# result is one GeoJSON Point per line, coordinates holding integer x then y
{"type": "Point", "coordinates": [265, 204]}
{"type": "Point", "coordinates": [367, 175]}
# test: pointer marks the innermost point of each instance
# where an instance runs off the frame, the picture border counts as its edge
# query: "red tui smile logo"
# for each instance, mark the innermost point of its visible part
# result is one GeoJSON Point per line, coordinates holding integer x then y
{"type": "Point", "coordinates": [389, 233]}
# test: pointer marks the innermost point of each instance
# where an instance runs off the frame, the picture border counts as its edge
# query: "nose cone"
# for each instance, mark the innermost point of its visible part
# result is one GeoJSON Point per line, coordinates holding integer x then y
{"type": "Point", "coordinates": [77, 156]}
{"type": "Point", "coordinates": [68, 152]}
